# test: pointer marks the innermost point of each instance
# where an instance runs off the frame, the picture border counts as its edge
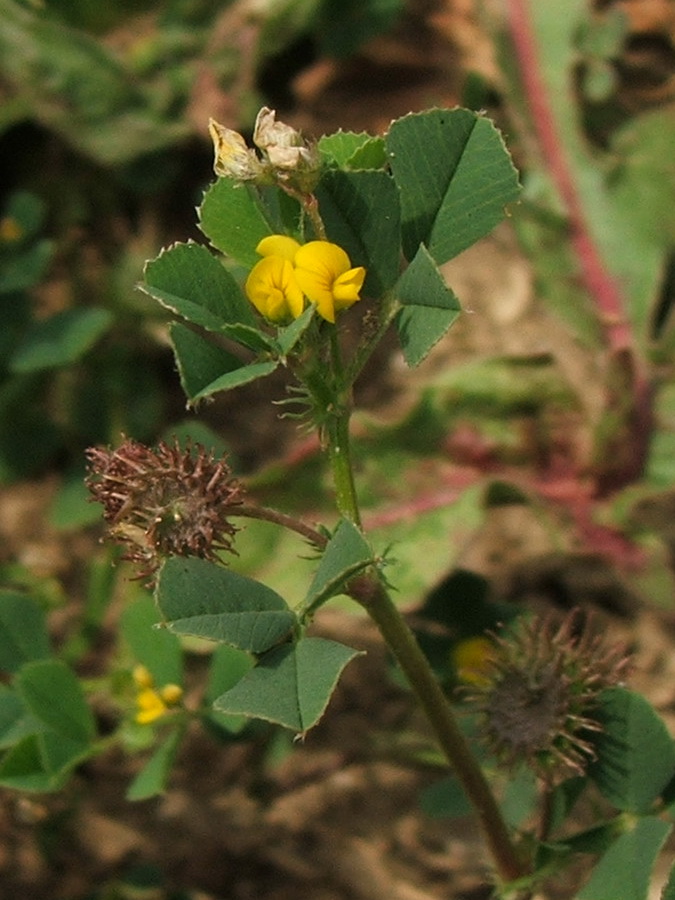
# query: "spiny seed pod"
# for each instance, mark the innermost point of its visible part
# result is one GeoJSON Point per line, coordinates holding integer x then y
{"type": "Point", "coordinates": [166, 501]}
{"type": "Point", "coordinates": [537, 700]}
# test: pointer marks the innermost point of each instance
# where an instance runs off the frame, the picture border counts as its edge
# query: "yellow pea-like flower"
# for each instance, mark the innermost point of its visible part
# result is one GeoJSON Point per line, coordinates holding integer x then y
{"type": "Point", "coordinates": [150, 706]}
{"type": "Point", "coordinates": [273, 290]}
{"type": "Point", "coordinates": [325, 274]}
{"type": "Point", "coordinates": [171, 694]}
{"type": "Point", "coordinates": [152, 703]}
{"type": "Point", "coordinates": [472, 658]}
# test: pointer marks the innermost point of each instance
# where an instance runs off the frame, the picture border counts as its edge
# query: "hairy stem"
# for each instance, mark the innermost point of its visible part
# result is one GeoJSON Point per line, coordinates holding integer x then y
{"type": "Point", "coordinates": [369, 591]}
{"type": "Point", "coordinates": [251, 511]}
{"type": "Point", "coordinates": [371, 594]}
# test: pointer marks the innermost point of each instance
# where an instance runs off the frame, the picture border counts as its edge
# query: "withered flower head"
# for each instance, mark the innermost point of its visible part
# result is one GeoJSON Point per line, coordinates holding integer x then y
{"type": "Point", "coordinates": [166, 501]}
{"type": "Point", "coordinates": [538, 697]}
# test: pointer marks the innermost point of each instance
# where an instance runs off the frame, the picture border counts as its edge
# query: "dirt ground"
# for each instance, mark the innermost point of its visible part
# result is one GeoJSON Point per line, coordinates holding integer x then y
{"type": "Point", "coordinates": [336, 817]}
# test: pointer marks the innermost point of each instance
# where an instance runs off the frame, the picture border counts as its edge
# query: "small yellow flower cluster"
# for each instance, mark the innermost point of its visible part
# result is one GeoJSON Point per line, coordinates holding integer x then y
{"type": "Point", "coordinates": [289, 272]}
{"type": "Point", "coordinates": [472, 658]}
{"type": "Point", "coordinates": [10, 230]}
{"type": "Point", "coordinates": [152, 703]}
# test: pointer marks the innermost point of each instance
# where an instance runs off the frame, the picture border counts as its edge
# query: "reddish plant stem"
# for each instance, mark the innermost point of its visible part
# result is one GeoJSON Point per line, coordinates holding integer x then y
{"type": "Point", "coordinates": [598, 281]}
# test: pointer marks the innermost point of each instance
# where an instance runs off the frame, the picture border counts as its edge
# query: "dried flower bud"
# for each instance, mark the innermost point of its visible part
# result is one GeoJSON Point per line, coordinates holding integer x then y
{"type": "Point", "coordinates": [164, 502]}
{"type": "Point", "coordinates": [233, 159]}
{"type": "Point", "coordinates": [283, 145]}
{"type": "Point", "coordinates": [539, 693]}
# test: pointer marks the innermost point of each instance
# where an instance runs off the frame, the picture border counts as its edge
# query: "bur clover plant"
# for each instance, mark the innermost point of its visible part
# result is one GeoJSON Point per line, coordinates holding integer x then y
{"type": "Point", "coordinates": [309, 240]}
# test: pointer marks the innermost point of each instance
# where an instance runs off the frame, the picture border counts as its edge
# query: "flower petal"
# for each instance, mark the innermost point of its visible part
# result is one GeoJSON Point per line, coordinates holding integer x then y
{"type": "Point", "coordinates": [273, 290]}
{"type": "Point", "coordinates": [324, 259]}
{"type": "Point", "coordinates": [346, 288]}
{"type": "Point", "coordinates": [278, 245]}
{"type": "Point", "coordinates": [323, 271]}
{"type": "Point", "coordinates": [233, 159]}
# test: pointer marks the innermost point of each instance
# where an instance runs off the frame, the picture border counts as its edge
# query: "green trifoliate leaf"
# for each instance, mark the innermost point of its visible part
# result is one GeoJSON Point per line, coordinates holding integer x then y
{"type": "Point", "coordinates": [152, 778]}
{"type": "Point", "coordinates": [291, 685]}
{"type": "Point", "coordinates": [455, 176]}
{"type": "Point", "coordinates": [288, 337]}
{"type": "Point", "coordinates": [346, 554]}
{"type": "Point", "coordinates": [351, 150]}
{"type": "Point", "coordinates": [429, 307]}
{"type": "Point", "coordinates": [235, 219]}
{"type": "Point", "coordinates": [52, 693]}
{"type": "Point", "coordinates": [361, 213]}
{"type": "Point", "coordinates": [191, 282]}
{"type": "Point", "coordinates": [23, 631]}
{"type": "Point", "coordinates": [61, 339]}
{"type": "Point", "coordinates": [636, 755]}
{"type": "Point", "coordinates": [624, 871]}
{"type": "Point", "coordinates": [205, 600]}
{"type": "Point", "coordinates": [156, 648]}
{"type": "Point", "coordinates": [206, 369]}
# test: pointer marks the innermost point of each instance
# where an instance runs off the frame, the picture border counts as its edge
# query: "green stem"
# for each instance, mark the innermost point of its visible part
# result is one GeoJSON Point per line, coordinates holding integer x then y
{"type": "Point", "coordinates": [402, 643]}
{"type": "Point", "coordinates": [338, 441]}
{"type": "Point", "coordinates": [339, 456]}
{"type": "Point", "coordinates": [368, 590]}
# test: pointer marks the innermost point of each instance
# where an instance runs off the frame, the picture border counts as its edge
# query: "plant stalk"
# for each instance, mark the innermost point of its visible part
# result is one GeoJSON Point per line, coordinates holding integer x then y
{"type": "Point", "coordinates": [338, 441]}
{"type": "Point", "coordinates": [371, 594]}
{"type": "Point", "coordinates": [369, 591]}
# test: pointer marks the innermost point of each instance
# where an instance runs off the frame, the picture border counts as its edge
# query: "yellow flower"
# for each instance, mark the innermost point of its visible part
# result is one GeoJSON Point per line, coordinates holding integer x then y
{"type": "Point", "coordinates": [142, 677]}
{"type": "Point", "coordinates": [272, 289]}
{"type": "Point", "coordinates": [10, 230]}
{"type": "Point", "coordinates": [325, 274]}
{"type": "Point", "coordinates": [151, 703]}
{"type": "Point", "coordinates": [472, 658]}
{"type": "Point", "coordinates": [150, 707]}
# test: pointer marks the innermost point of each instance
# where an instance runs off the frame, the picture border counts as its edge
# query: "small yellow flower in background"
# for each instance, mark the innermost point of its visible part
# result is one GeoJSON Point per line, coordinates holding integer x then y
{"type": "Point", "coordinates": [10, 230]}
{"type": "Point", "coordinates": [325, 274]}
{"type": "Point", "coordinates": [472, 658]}
{"type": "Point", "coordinates": [142, 677]}
{"type": "Point", "coordinates": [152, 704]}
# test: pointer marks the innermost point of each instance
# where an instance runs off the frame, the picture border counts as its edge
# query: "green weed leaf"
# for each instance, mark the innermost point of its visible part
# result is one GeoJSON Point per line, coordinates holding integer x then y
{"type": "Point", "coordinates": [156, 648]}
{"type": "Point", "coordinates": [16, 722]}
{"type": "Point", "coordinates": [61, 339]}
{"type": "Point", "coordinates": [291, 685]}
{"type": "Point", "coordinates": [191, 282]}
{"type": "Point", "coordinates": [23, 631]}
{"type": "Point", "coordinates": [52, 693]}
{"type": "Point", "coordinates": [200, 598]}
{"type": "Point", "coordinates": [455, 176]}
{"type": "Point", "coordinates": [361, 213]}
{"type": "Point", "coordinates": [235, 219]}
{"type": "Point", "coordinates": [636, 755]}
{"type": "Point", "coordinates": [352, 150]}
{"type": "Point", "coordinates": [151, 780]}
{"type": "Point", "coordinates": [205, 368]}
{"type": "Point", "coordinates": [429, 307]}
{"type": "Point", "coordinates": [625, 869]}
{"type": "Point", "coordinates": [22, 768]}
{"type": "Point", "coordinates": [347, 553]}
